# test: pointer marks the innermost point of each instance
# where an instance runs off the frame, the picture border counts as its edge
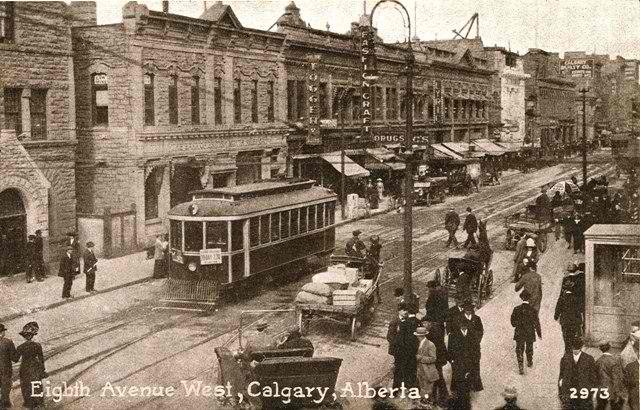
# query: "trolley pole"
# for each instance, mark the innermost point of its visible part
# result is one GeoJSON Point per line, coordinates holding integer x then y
{"type": "Point", "coordinates": [408, 172]}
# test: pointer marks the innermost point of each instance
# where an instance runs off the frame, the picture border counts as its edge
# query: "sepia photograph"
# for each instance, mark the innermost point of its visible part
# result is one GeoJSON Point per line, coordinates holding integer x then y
{"type": "Point", "coordinates": [320, 204]}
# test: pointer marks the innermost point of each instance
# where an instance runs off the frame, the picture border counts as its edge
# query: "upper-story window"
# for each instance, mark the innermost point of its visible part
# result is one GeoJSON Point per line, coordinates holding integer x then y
{"type": "Point", "coordinates": [323, 100]}
{"type": "Point", "coordinates": [100, 99]}
{"type": "Point", "coordinates": [195, 100]}
{"type": "Point", "coordinates": [254, 101]}
{"type": "Point", "coordinates": [149, 104]}
{"type": "Point", "coordinates": [13, 109]}
{"type": "Point", "coordinates": [300, 99]}
{"type": "Point", "coordinates": [271, 105]}
{"type": "Point", "coordinates": [291, 99]}
{"type": "Point", "coordinates": [237, 101]}
{"type": "Point", "coordinates": [38, 108]}
{"type": "Point", "coordinates": [217, 99]}
{"type": "Point", "coordinates": [173, 100]}
{"type": "Point", "coordinates": [7, 21]}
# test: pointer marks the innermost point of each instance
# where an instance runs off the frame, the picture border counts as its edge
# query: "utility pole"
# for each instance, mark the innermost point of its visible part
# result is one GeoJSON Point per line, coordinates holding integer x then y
{"type": "Point", "coordinates": [584, 91]}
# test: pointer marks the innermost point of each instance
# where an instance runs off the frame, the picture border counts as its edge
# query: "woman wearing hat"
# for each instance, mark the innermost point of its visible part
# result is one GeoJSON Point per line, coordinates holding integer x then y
{"type": "Point", "coordinates": [31, 367]}
{"type": "Point", "coordinates": [426, 358]}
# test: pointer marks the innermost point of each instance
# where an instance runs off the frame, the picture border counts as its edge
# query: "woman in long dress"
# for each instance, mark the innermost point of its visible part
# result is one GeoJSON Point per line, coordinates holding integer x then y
{"type": "Point", "coordinates": [31, 367]}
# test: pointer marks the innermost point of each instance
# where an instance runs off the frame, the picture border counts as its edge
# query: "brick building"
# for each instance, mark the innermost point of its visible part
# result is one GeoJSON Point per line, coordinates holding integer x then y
{"type": "Point", "coordinates": [551, 118]}
{"type": "Point", "coordinates": [451, 89]}
{"type": "Point", "coordinates": [37, 126]}
{"type": "Point", "coordinates": [167, 104]}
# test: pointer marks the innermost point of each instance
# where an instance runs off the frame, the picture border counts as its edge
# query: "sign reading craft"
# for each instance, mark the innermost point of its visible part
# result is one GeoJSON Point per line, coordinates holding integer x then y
{"type": "Point", "coordinates": [368, 74]}
{"type": "Point", "coordinates": [211, 256]}
{"type": "Point", "coordinates": [398, 137]}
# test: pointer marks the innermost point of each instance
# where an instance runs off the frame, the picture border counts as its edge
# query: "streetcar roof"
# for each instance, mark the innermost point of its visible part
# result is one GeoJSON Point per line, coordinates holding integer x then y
{"type": "Point", "coordinates": [256, 189]}
{"type": "Point", "coordinates": [212, 207]}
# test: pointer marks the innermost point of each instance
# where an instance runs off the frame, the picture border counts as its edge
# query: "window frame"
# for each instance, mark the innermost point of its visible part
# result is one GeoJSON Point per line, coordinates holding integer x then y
{"type": "Point", "coordinates": [195, 100]}
{"type": "Point", "coordinates": [217, 101]}
{"type": "Point", "coordinates": [271, 105]}
{"type": "Point", "coordinates": [17, 108]}
{"type": "Point", "coordinates": [149, 99]}
{"type": "Point", "coordinates": [99, 114]}
{"type": "Point", "coordinates": [8, 22]}
{"type": "Point", "coordinates": [237, 101]}
{"type": "Point", "coordinates": [254, 101]}
{"type": "Point", "coordinates": [172, 92]}
{"type": "Point", "coordinates": [38, 113]}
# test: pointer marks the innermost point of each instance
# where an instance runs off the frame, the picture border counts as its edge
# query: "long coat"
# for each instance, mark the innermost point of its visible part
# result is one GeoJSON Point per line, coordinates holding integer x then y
{"type": "Point", "coordinates": [68, 267]}
{"type": "Point", "coordinates": [451, 221]}
{"type": "Point", "coordinates": [631, 381]}
{"type": "Point", "coordinates": [31, 370]}
{"type": "Point", "coordinates": [90, 261]}
{"type": "Point", "coordinates": [437, 305]}
{"type": "Point", "coordinates": [531, 281]}
{"type": "Point", "coordinates": [8, 355]}
{"type": "Point", "coordinates": [426, 357]}
{"type": "Point", "coordinates": [611, 375]}
{"type": "Point", "coordinates": [453, 315]}
{"type": "Point", "coordinates": [582, 374]}
{"type": "Point", "coordinates": [567, 310]}
{"type": "Point", "coordinates": [526, 323]}
{"type": "Point", "coordinates": [436, 335]}
{"type": "Point", "coordinates": [464, 352]}
{"type": "Point", "coordinates": [470, 224]}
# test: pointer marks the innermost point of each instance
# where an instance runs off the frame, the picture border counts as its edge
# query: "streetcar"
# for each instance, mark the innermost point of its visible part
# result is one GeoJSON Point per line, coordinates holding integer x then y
{"type": "Point", "coordinates": [244, 236]}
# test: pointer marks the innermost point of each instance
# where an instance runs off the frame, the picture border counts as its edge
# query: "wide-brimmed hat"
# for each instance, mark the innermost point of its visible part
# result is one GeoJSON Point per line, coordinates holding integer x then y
{"type": "Point", "coordinates": [510, 392]}
{"type": "Point", "coordinates": [356, 232]}
{"type": "Point", "coordinates": [90, 244]}
{"type": "Point", "coordinates": [29, 330]}
{"type": "Point", "coordinates": [421, 331]}
{"type": "Point", "coordinates": [603, 344]}
{"type": "Point", "coordinates": [2, 328]}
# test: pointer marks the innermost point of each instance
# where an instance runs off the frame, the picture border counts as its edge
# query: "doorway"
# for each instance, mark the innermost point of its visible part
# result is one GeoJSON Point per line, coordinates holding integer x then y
{"type": "Point", "coordinates": [13, 232]}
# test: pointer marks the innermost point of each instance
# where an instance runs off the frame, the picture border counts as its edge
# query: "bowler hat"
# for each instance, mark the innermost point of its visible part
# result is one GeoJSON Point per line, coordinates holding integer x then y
{"type": "Point", "coordinates": [2, 328]}
{"type": "Point", "coordinates": [421, 331]}
{"type": "Point", "coordinates": [29, 330]}
{"type": "Point", "coordinates": [510, 392]}
{"type": "Point", "coordinates": [468, 209]}
{"type": "Point", "coordinates": [604, 345]}
{"type": "Point", "coordinates": [357, 232]}
{"type": "Point", "coordinates": [468, 305]}
{"type": "Point", "coordinates": [90, 244]}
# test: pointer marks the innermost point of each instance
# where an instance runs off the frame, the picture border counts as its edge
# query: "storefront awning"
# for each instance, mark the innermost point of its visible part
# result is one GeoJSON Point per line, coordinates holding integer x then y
{"type": "Point", "coordinates": [382, 159]}
{"type": "Point", "coordinates": [510, 146]}
{"type": "Point", "coordinates": [463, 149]}
{"type": "Point", "coordinates": [440, 151]}
{"type": "Point", "coordinates": [488, 147]}
{"type": "Point", "coordinates": [351, 169]}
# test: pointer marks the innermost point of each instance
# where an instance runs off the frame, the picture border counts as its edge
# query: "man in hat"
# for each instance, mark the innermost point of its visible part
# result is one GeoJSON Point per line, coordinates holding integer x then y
{"type": "Point", "coordinates": [475, 326]}
{"type": "Point", "coordinates": [531, 281]}
{"type": "Point", "coordinates": [426, 356]}
{"type": "Point", "coordinates": [451, 224]}
{"type": "Point", "coordinates": [403, 346]}
{"type": "Point", "coordinates": [524, 319]}
{"type": "Point", "coordinates": [67, 271]}
{"type": "Point", "coordinates": [90, 267]}
{"type": "Point", "coordinates": [470, 227]}
{"type": "Point", "coordinates": [454, 313]}
{"type": "Point", "coordinates": [610, 379]}
{"type": "Point", "coordinates": [354, 246]}
{"type": "Point", "coordinates": [510, 395]}
{"type": "Point", "coordinates": [8, 354]}
{"type": "Point", "coordinates": [463, 355]}
{"type": "Point", "coordinates": [567, 314]}
{"type": "Point", "coordinates": [72, 241]}
{"type": "Point", "coordinates": [30, 255]}
{"type": "Point", "coordinates": [631, 383]}
{"type": "Point", "coordinates": [631, 348]}
{"type": "Point", "coordinates": [577, 371]}
{"type": "Point", "coordinates": [577, 227]}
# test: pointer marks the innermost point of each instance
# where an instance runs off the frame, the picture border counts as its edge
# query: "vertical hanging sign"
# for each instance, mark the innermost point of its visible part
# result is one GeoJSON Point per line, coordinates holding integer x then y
{"type": "Point", "coordinates": [438, 101]}
{"type": "Point", "coordinates": [313, 122]}
{"type": "Point", "coordinates": [368, 74]}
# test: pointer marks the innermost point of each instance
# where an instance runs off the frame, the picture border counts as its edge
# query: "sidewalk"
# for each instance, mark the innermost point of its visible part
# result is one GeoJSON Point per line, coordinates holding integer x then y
{"type": "Point", "coordinates": [21, 298]}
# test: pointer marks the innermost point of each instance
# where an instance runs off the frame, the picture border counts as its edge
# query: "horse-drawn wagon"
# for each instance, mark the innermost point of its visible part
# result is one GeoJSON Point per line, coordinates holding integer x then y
{"type": "Point", "coordinates": [467, 278]}
{"type": "Point", "coordinates": [533, 223]}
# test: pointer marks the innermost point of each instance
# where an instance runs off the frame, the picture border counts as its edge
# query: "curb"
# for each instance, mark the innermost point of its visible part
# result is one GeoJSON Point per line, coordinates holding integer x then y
{"type": "Point", "coordinates": [53, 305]}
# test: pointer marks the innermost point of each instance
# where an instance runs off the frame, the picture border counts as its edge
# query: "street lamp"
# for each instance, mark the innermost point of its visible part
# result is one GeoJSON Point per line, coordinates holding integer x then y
{"type": "Point", "coordinates": [408, 142]}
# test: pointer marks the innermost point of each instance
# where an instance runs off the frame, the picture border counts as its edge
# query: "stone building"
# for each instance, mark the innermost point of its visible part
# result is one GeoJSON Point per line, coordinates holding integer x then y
{"type": "Point", "coordinates": [167, 104]}
{"type": "Point", "coordinates": [37, 126]}
{"type": "Point", "coordinates": [551, 116]}
{"type": "Point", "coordinates": [450, 97]}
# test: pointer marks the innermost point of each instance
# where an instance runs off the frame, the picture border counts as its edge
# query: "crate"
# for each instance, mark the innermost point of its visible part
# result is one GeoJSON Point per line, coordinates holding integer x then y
{"type": "Point", "coordinates": [349, 297]}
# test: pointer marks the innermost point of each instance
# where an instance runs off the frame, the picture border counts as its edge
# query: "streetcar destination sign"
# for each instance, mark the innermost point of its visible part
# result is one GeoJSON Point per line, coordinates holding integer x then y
{"type": "Point", "coordinates": [211, 256]}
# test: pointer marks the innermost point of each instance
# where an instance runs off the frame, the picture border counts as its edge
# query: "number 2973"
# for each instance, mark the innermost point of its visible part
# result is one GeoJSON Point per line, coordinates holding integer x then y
{"type": "Point", "coordinates": [584, 393]}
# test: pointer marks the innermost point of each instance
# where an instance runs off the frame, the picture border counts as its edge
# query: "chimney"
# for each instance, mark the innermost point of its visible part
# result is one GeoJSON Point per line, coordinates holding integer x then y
{"type": "Point", "coordinates": [165, 6]}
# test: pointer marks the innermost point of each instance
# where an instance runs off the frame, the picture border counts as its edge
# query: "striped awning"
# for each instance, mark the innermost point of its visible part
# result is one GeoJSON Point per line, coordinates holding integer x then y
{"type": "Point", "coordinates": [351, 169]}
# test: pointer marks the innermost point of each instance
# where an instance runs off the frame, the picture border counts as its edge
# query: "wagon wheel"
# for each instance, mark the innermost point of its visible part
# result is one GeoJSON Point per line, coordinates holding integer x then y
{"type": "Point", "coordinates": [507, 240]}
{"type": "Point", "coordinates": [355, 324]}
{"type": "Point", "coordinates": [542, 242]}
{"type": "Point", "coordinates": [481, 282]}
{"type": "Point", "coordinates": [302, 322]}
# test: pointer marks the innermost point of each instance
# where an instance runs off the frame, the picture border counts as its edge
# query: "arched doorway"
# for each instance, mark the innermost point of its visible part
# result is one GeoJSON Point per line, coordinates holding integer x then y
{"type": "Point", "coordinates": [13, 232]}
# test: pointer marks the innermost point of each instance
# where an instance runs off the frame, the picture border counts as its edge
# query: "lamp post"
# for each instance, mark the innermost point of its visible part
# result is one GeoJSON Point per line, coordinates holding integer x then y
{"type": "Point", "coordinates": [584, 91]}
{"type": "Point", "coordinates": [408, 143]}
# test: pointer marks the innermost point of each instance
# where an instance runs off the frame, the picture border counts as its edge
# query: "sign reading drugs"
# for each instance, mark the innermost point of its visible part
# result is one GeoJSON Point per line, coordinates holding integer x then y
{"type": "Point", "coordinates": [398, 137]}
{"type": "Point", "coordinates": [313, 120]}
{"type": "Point", "coordinates": [368, 73]}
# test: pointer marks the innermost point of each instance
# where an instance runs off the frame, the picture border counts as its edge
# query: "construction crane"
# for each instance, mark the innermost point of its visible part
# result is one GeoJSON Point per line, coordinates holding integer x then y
{"type": "Point", "coordinates": [469, 25]}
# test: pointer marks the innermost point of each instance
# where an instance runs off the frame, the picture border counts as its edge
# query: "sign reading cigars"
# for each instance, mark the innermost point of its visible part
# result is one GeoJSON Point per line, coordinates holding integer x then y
{"type": "Point", "coordinates": [313, 120]}
{"type": "Point", "coordinates": [367, 73]}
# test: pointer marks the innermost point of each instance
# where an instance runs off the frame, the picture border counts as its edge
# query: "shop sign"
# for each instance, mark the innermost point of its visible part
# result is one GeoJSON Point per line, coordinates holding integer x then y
{"type": "Point", "coordinates": [368, 74]}
{"type": "Point", "coordinates": [579, 68]}
{"type": "Point", "coordinates": [438, 100]}
{"type": "Point", "coordinates": [313, 120]}
{"type": "Point", "coordinates": [398, 137]}
{"type": "Point", "coordinates": [211, 256]}
{"type": "Point", "coordinates": [100, 79]}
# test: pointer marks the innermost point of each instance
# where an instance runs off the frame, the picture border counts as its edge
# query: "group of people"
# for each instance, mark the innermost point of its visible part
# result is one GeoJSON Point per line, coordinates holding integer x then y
{"type": "Point", "coordinates": [69, 267]}
{"type": "Point", "coordinates": [420, 350]}
{"type": "Point", "coordinates": [356, 248]}
{"type": "Point", "coordinates": [32, 369]}
{"type": "Point", "coordinates": [470, 226]}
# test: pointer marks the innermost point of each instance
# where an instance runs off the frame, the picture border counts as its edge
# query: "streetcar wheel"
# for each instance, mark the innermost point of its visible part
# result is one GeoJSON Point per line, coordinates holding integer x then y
{"type": "Point", "coordinates": [542, 242]}
{"type": "Point", "coordinates": [355, 324]}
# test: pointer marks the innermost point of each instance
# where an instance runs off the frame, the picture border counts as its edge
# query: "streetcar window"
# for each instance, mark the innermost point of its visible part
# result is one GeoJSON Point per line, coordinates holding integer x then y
{"type": "Point", "coordinates": [284, 224]}
{"type": "Point", "coordinates": [312, 217]}
{"type": "Point", "coordinates": [275, 227]}
{"type": "Point", "coordinates": [237, 235]}
{"type": "Point", "coordinates": [254, 231]}
{"type": "Point", "coordinates": [265, 229]}
{"type": "Point", "coordinates": [303, 219]}
{"type": "Point", "coordinates": [176, 234]}
{"type": "Point", "coordinates": [321, 212]}
{"type": "Point", "coordinates": [192, 236]}
{"type": "Point", "coordinates": [331, 213]}
{"type": "Point", "coordinates": [294, 222]}
{"type": "Point", "coordinates": [216, 235]}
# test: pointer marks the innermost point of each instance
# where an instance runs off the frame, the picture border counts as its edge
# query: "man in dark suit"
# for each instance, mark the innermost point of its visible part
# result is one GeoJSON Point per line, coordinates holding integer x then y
{"type": "Point", "coordinates": [610, 379]}
{"type": "Point", "coordinates": [451, 223]}
{"type": "Point", "coordinates": [531, 281]}
{"type": "Point", "coordinates": [631, 382]}
{"type": "Point", "coordinates": [72, 241]}
{"type": "Point", "coordinates": [453, 315]}
{"type": "Point", "coordinates": [29, 258]}
{"type": "Point", "coordinates": [90, 267]}
{"type": "Point", "coordinates": [524, 319]}
{"type": "Point", "coordinates": [463, 354]}
{"type": "Point", "coordinates": [568, 315]}
{"type": "Point", "coordinates": [577, 371]}
{"type": "Point", "coordinates": [477, 329]}
{"type": "Point", "coordinates": [403, 345]}
{"type": "Point", "coordinates": [8, 354]}
{"type": "Point", "coordinates": [67, 271]}
{"type": "Point", "coordinates": [470, 227]}
{"type": "Point", "coordinates": [39, 256]}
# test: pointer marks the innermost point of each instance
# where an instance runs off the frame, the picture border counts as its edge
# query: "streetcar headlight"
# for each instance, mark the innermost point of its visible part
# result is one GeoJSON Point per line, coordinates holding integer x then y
{"type": "Point", "coordinates": [192, 266]}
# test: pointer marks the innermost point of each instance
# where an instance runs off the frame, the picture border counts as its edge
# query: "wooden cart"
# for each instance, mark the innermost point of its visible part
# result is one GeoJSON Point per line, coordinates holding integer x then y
{"type": "Point", "coordinates": [527, 224]}
{"type": "Point", "coordinates": [353, 316]}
